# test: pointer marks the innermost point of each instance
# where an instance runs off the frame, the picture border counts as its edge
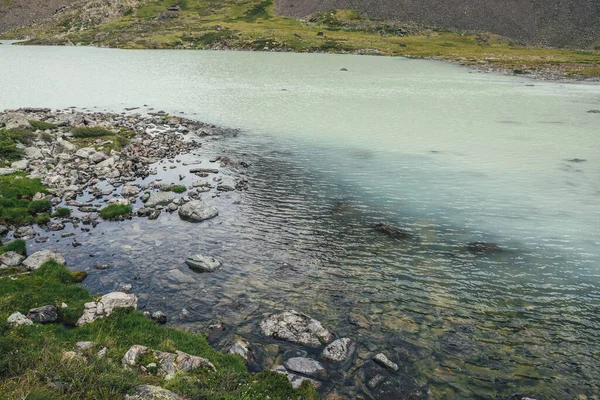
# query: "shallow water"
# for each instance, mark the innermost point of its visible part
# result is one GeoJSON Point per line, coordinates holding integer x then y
{"type": "Point", "coordinates": [453, 156]}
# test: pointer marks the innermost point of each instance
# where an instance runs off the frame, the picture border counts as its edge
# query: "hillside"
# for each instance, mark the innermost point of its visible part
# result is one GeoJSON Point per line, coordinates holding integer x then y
{"type": "Point", "coordinates": [17, 13]}
{"type": "Point", "coordinates": [559, 23]}
{"type": "Point", "coordinates": [255, 25]}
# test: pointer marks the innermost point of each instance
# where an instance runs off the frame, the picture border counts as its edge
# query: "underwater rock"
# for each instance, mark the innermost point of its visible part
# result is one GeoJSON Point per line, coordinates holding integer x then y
{"type": "Point", "coordinates": [483, 247]}
{"type": "Point", "coordinates": [339, 351]}
{"type": "Point", "coordinates": [392, 231]}
{"type": "Point", "coordinates": [306, 366]}
{"type": "Point", "coordinates": [382, 360]}
{"type": "Point", "coordinates": [200, 263]}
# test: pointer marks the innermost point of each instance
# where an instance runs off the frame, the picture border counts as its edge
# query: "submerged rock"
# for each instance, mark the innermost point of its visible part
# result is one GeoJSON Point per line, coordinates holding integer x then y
{"type": "Point", "coordinates": [200, 263]}
{"type": "Point", "coordinates": [197, 211]}
{"type": "Point", "coordinates": [37, 259]}
{"type": "Point", "coordinates": [43, 314]}
{"type": "Point", "coordinates": [339, 351]}
{"type": "Point", "coordinates": [382, 360]}
{"type": "Point", "coordinates": [295, 327]}
{"type": "Point", "coordinates": [306, 366]}
{"type": "Point", "coordinates": [149, 392]}
{"type": "Point", "coordinates": [242, 349]}
{"type": "Point", "coordinates": [391, 230]}
{"type": "Point", "coordinates": [483, 247]}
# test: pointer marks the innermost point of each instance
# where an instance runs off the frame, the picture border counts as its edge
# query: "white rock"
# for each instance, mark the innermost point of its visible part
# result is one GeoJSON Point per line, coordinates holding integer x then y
{"type": "Point", "coordinates": [11, 259]}
{"type": "Point", "coordinates": [382, 360]}
{"type": "Point", "coordinates": [339, 350]}
{"type": "Point", "coordinates": [18, 319]}
{"type": "Point", "coordinates": [37, 259]}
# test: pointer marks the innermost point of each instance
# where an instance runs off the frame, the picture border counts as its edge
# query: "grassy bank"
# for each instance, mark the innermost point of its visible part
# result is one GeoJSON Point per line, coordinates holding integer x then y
{"type": "Point", "coordinates": [17, 204]}
{"type": "Point", "coordinates": [33, 365]}
{"type": "Point", "coordinates": [253, 25]}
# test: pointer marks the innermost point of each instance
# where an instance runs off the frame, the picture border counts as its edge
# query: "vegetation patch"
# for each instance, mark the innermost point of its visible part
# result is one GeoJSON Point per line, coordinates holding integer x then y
{"type": "Point", "coordinates": [91, 132]}
{"type": "Point", "coordinates": [33, 356]}
{"type": "Point", "coordinates": [62, 212]}
{"type": "Point", "coordinates": [41, 125]}
{"type": "Point", "coordinates": [178, 188]}
{"type": "Point", "coordinates": [16, 200]}
{"type": "Point", "coordinates": [115, 211]}
{"type": "Point", "coordinates": [9, 138]}
{"type": "Point", "coordinates": [18, 246]}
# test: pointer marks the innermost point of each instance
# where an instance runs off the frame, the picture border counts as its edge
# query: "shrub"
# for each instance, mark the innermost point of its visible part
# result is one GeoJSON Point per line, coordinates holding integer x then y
{"type": "Point", "coordinates": [115, 210]}
{"type": "Point", "coordinates": [41, 125]}
{"type": "Point", "coordinates": [42, 219]}
{"type": "Point", "coordinates": [46, 137]}
{"type": "Point", "coordinates": [62, 212]}
{"type": "Point", "coordinates": [90, 132]}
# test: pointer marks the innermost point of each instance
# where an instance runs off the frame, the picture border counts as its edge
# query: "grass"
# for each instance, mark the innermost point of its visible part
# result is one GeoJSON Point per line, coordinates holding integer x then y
{"type": "Point", "coordinates": [16, 200]}
{"type": "Point", "coordinates": [62, 212]}
{"type": "Point", "coordinates": [41, 125]}
{"type": "Point", "coordinates": [113, 211]}
{"type": "Point", "coordinates": [32, 356]}
{"type": "Point", "coordinates": [87, 136]}
{"type": "Point", "coordinates": [178, 188]}
{"type": "Point", "coordinates": [90, 132]}
{"type": "Point", "coordinates": [18, 246]}
{"type": "Point", "coordinates": [9, 138]}
{"type": "Point", "coordinates": [253, 25]}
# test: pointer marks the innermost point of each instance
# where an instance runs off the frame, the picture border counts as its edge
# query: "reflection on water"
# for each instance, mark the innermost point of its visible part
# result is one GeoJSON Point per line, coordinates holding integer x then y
{"type": "Point", "coordinates": [450, 156]}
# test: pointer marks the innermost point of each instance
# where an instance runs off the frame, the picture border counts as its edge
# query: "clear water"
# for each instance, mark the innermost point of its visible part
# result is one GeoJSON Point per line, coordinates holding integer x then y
{"type": "Point", "coordinates": [454, 156]}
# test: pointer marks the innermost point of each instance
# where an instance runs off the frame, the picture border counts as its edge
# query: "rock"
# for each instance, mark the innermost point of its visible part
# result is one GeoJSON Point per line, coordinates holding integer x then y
{"type": "Point", "coordinates": [18, 319]}
{"type": "Point", "coordinates": [306, 366]}
{"type": "Point", "coordinates": [242, 349]}
{"type": "Point", "coordinates": [24, 231]}
{"type": "Point", "coordinates": [295, 380]}
{"type": "Point", "coordinates": [8, 171]}
{"type": "Point", "coordinates": [33, 153]}
{"type": "Point", "coordinates": [102, 353]}
{"type": "Point", "coordinates": [359, 320]}
{"type": "Point", "coordinates": [186, 362]}
{"type": "Point", "coordinates": [106, 305]}
{"type": "Point", "coordinates": [55, 226]}
{"type": "Point", "coordinates": [85, 152]}
{"type": "Point", "coordinates": [159, 199]}
{"type": "Point", "coordinates": [483, 247]}
{"type": "Point", "coordinates": [295, 327]}
{"type": "Point", "coordinates": [339, 351]}
{"type": "Point", "coordinates": [200, 263]}
{"type": "Point", "coordinates": [11, 259]}
{"type": "Point", "coordinates": [391, 230]}
{"type": "Point", "coordinates": [20, 165]}
{"type": "Point", "coordinates": [382, 360]}
{"type": "Point", "coordinates": [97, 157]}
{"type": "Point", "coordinates": [149, 392]}
{"type": "Point", "coordinates": [129, 191]}
{"type": "Point", "coordinates": [125, 288]}
{"type": "Point", "coordinates": [197, 211]}
{"type": "Point", "coordinates": [13, 120]}
{"type": "Point", "coordinates": [72, 356]}
{"type": "Point", "coordinates": [84, 346]}
{"type": "Point", "coordinates": [133, 355]}
{"type": "Point", "coordinates": [43, 314]}
{"type": "Point", "coordinates": [101, 267]}
{"type": "Point", "coordinates": [62, 146]}
{"type": "Point", "coordinates": [37, 259]}
{"type": "Point", "coordinates": [159, 317]}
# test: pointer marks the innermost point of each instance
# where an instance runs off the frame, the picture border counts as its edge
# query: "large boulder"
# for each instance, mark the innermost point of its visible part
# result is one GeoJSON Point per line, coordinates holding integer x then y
{"type": "Point", "coordinates": [339, 351]}
{"type": "Point", "coordinates": [13, 120]}
{"type": "Point", "coordinates": [160, 199]}
{"type": "Point", "coordinates": [43, 314]}
{"type": "Point", "coordinates": [295, 327]}
{"type": "Point", "coordinates": [11, 259]}
{"type": "Point", "coordinates": [197, 211]}
{"type": "Point", "coordinates": [200, 263]}
{"type": "Point", "coordinates": [107, 304]}
{"type": "Point", "coordinates": [37, 259]}
{"type": "Point", "coordinates": [149, 392]}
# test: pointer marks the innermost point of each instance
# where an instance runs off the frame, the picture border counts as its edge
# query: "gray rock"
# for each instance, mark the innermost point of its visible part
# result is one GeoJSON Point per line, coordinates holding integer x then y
{"type": "Point", "coordinates": [24, 231]}
{"type": "Point", "coordinates": [200, 263]}
{"type": "Point", "coordinates": [159, 199]}
{"type": "Point", "coordinates": [62, 146]}
{"type": "Point", "coordinates": [242, 349]}
{"type": "Point", "coordinates": [8, 171]}
{"type": "Point", "coordinates": [84, 346]}
{"type": "Point", "coordinates": [148, 392]}
{"type": "Point", "coordinates": [33, 153]}
{"type": "Point", "coordinates": [97, 157]}
{"type": "Point", "coordinates": [133, 355]}
{"type": "Point", "coordinates": [306, 366]}
{"type": "Point", "coordinates": [37, 259]}
{"type": "Point", "coordinates": [129, 191]}
{"type": "Point", "coordinates": [13, 120]}
{"type": "Point", "coordinates": [197, 211]}
{"type": "Point", "coordinates": [295, 380]}
{"type": "Point", "coordinates": [3, 228]}
{"type": "Point", "coordinates": [295, 327]}
{"type": "Point", "coordinates": [43, 314]}
{"type": "Point", "coordinates": [159, 317]}
{"type": "Point", "coordinates": [85, 152]}
{"type": "Point", "coordinates": [20, 165]}
{"type": "Point", "coordinates": [18, 319]}
{"type": "Point", "coordinates": [102, 353]}
{"type": "Point", "coordinates": [11, 259]}
{"type": "Point", "coordinates": [339, 351]}
{"type": "Point", "coordinates": [382, 360]}
{"type": "Point", "coordinates": [105, 306]}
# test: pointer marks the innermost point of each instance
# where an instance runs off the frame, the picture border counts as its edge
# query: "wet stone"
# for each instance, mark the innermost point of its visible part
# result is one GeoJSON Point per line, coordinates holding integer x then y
{"type": "Point", "coordinates": [339, 351]}
{"type": "Point", "coordinates": [306, 366]}
{"type": "Point", "coordinates": [295, 327]}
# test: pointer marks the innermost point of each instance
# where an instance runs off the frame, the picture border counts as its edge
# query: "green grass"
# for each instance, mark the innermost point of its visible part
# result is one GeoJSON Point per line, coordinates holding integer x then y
{"type": "Point", "coordinates": [90, 132]}
{"type": "Point", "coordinates": [62, 212]}
{"type": "Point", "coordinates": [32, 355]}
{"type": "Point", "coordinates": [41, 125]}
{"type": "Point", "coordinates": [16, 205]}
{"type": "Point", "coordinates": [113, 211]}
{"type": "Point", "coordinates": [178, 188]}
{"type": "Point", "coordinates": [9, 138]}
{"type": "Point", "coordinates": [18, 246]}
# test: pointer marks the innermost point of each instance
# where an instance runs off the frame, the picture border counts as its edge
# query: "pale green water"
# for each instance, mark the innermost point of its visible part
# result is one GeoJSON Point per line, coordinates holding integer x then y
{"type": "Point", "coordinates": [454, 155]}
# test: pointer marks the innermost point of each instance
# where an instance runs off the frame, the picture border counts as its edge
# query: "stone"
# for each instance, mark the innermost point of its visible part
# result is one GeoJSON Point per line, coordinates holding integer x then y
{"type": "Point", "coordinates": [24, 231]}
{"type": "Point", "coordinates": [200, 263]}
{"type": "Point", "coordinates": [159, 317]}
{"type": "Point", "coordinates": [339, 351]}
{"type": "Point", "coordinates": [129, 191]}
{"type": "Point", "coordinates": [84, 346]}
{"type": "Point", "coordinates": [11, 120]}
{"type": "Point", "coordinates": [159, 199]}
{"type": "Point", "coordinates": [37, 259]}
{"type": "Point", "coordinates": [295, 380]}
{"type": "Point", "coordinates": [62, 146]}
{"type": "Point", "coordinates": [133, 355]}
{"type": "Point", "coordinates": [242, 349]}
{"type": "Point", "coordinates": [85, 152]}
{"type": "Point", "coordinates": [382, 360]}
{"type": "Point", "coordinates": [149, 392]}
{"type": "Point", "coordinates": [391, 230]}
{"type": "Point", "coordinates": [97, 157]}
{"type": "Point", "coordinates": [102, 353]}
{"type": "Point", "coordinates": [43, 314]}
{"type": "Point", "coordinates": [7, 171]}
{"type": "Point", "coordinates": [18, 319]}
{"type": "Point", "coordinates": [107, 304]}
{"type": "Point", "coordinates": [33, 153]}
{"type": "Point", "coordinates": [359, 320]}
{"type": "Point", "coordinates": [295, 327]}
{"type": "Point", "coordinates": [483, 247]}
{"type": "Point", "coordinates": [306, 366]}
{"type": "Point", "coordinates": [11, 259]}
{"type": "Point", "coordinates": [197, 211]}
{"type": "Point", "coordinates": [20, 165]}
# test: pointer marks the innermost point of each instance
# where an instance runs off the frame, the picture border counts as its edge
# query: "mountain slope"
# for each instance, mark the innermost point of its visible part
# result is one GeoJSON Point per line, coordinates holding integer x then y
{"type": "Point", "coordinates": [559, 23]}
{"type": "Point", "coordinates": [16, 13]}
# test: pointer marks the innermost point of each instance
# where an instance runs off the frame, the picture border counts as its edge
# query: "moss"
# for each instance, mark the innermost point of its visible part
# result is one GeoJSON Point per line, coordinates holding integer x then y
{"type": "Point", "coordinates": [18, 246]}
{"type": "Point", "coordinates": [178, 188]}
{"type": "Point", "coordinates": [32, 355]}
{"type": "Point", "coordinates": [79, 276]}
{"type": "Point", "coordinates": [41, 125]}
{"type": "Point", "coordinates": [90, 132]}
{"type": "Point", "coordinates": [62, 212]}
{"type": "Point", "coordinates": [113, 211]}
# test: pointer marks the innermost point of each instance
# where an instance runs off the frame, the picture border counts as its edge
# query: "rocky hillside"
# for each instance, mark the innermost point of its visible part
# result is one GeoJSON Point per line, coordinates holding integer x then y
{"type": "Point", "coordinates": [560, 23]}
{"type": "Point", "coordinates": [16, 13]}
